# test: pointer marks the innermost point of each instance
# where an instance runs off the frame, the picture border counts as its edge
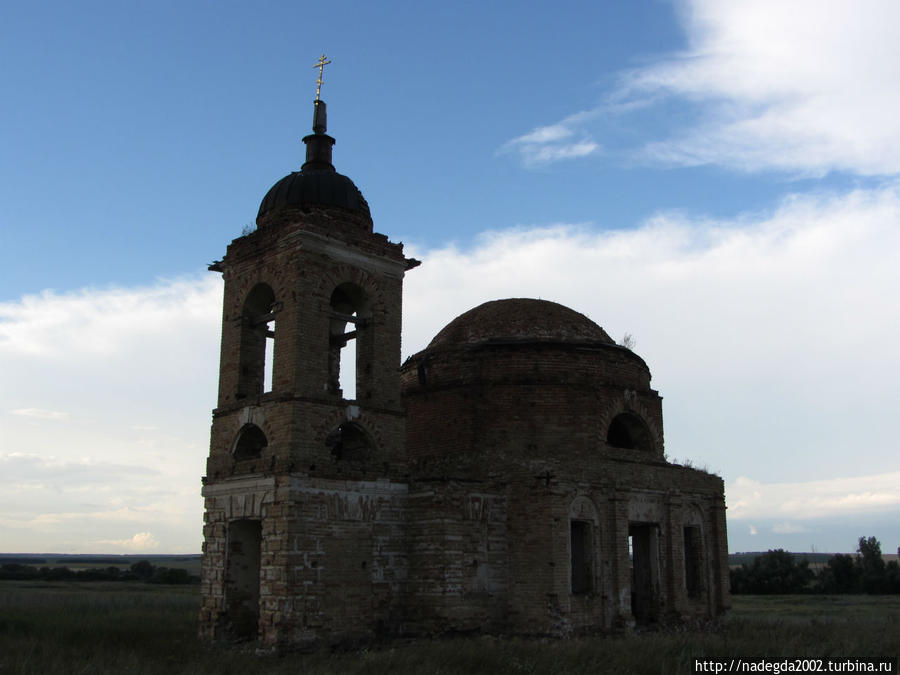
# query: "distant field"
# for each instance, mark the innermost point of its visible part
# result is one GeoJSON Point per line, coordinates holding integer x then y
{"type": "Point", "coordinates": [137, 628]}
{"type": "Point", "coordinates": [76, 562]}
{"type": "Point", "coordinates": [816, 560]}
{"type": "Point", "coordinates": [192, 562]}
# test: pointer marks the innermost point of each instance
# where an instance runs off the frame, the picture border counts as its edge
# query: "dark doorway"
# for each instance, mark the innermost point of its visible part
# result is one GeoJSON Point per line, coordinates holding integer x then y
{"type": "Point", "coordinates": [242, 580]}
{"type": "Point", "coordinates": [580, 542]}
{"type": "Point", "coordinates": [642, 540]}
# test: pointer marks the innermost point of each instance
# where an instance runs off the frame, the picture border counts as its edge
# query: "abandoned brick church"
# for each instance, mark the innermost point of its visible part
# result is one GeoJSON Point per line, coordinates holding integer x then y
{"type": "Point", "coordinates": [509, 478]}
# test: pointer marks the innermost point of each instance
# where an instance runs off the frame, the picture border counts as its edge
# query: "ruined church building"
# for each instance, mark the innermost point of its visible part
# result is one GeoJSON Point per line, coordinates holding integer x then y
{"type": "Point", "coordinates": [507, 479]}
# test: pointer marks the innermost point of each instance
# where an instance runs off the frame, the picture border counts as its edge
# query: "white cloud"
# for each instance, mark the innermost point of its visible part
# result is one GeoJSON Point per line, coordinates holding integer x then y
{"type": "Point", "coordinates": [140, 542]}
{"type": "Point", "coordinates": [135, 371]}
{"type": "Point", "coordinates": [771, 338]}
{"type": "Point", "coordinates": [124, 514]}
{"type": "Point", "coordinates": [548, 134]}
{"type": "Point", "coordinates": [752, 499]}
{"type": "Point", "coordinates": [99, 324]}
{"type": "Point", "coordinates": [553, 153]}
{"type": "Point", "coordinates": [789, 528]}
{"type": "Point", "coordinates": [554, 142]}
{"type": "Point", "coordinates": [802, 86]}
{"type": "Point", "coordinates": [37, 413]}
{"type": "Point", "coordinates": [46, 468]}
{"type": "Point", "coordinates": [79, 352]}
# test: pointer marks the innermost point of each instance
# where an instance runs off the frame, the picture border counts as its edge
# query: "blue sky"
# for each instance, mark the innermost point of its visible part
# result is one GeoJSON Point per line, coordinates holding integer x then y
{"type": "Point", "coordinates": [719, 180]}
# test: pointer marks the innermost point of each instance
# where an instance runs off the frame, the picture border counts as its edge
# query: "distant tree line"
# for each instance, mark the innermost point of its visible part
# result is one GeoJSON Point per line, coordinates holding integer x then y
{"type": "Point", "coordinates": [781, 572]}
{"type": "Point", "coordinates": [139, 571]}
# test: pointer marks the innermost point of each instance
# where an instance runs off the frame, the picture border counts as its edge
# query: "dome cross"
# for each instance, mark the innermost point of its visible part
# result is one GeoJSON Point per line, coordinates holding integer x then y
{"type": "Point", "coordinates": [320, 64]}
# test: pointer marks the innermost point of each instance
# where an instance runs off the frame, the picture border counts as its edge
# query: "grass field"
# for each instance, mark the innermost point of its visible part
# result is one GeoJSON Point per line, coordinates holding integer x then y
{"type": "Point", "coordinates": [135, 628]}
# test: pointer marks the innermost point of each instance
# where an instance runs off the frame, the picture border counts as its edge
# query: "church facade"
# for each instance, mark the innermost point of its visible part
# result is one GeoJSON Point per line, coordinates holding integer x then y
{"type": "Point", "coordinates": [510, 478]}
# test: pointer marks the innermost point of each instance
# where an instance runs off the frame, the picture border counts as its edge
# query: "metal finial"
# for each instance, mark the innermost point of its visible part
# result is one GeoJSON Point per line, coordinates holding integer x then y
{"type": "Point", "coordinates": [320, 64]}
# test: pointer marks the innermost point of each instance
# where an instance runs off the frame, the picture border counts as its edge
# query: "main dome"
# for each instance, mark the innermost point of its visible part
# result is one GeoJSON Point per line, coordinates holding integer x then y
{"type": "Point", "coordinates": [520, 320]}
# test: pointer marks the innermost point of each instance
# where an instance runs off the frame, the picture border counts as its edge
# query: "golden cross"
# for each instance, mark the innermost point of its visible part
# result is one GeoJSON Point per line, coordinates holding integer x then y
{"type": "Point", "coordinates": [320, 64]}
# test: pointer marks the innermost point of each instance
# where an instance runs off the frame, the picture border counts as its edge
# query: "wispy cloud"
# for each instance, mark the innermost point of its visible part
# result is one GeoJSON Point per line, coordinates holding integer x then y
{"type": "Point", "coordinates": [749, 499]}
{"type": "Point", "coordinates": [72, 472]}
{"type": "Point", "coordinates": [40, 414]}
{"type": "Point", "coordinates": [107, 517]}
{"type": "Point", "coordinates": [567, 139]}
{"type": "Point", "coordinates": [789, 528]}
{"type": "Point", "coordinates": [803, 86]}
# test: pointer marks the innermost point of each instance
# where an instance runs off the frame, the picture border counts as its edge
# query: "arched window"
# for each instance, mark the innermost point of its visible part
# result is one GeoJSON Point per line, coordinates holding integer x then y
{"type": "Point", "coordinates": [257, 342]}
{"type": "Point", "coordinates": [346, 347]}
{"type": "Point", "coordinates": [630, 432]}
{"type": "Point", "coordinates": [349, 443]}
{"type": "Point", "coordinates": [249, 443]}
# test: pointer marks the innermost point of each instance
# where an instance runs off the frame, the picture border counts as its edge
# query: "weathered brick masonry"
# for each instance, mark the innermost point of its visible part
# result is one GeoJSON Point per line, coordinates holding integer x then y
{"type": "Point", "coordinates": [509, 478]}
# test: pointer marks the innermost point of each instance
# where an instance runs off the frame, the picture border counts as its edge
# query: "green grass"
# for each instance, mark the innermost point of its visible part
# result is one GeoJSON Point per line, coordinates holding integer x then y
{"type": "Point", "coordinates": [132, 628]}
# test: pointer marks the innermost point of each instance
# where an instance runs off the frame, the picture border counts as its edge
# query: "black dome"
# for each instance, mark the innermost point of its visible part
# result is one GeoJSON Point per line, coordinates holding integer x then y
{"type": "Point", "coordinates": [313, 187]}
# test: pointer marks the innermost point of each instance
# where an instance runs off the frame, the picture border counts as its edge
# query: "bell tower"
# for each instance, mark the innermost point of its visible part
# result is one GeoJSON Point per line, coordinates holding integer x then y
{"type": "Point", "coordinates": [307, 439]}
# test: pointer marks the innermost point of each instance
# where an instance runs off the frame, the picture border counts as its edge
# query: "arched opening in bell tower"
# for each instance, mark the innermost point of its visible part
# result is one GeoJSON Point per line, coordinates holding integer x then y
{"type": "Point", "coordinates": [257, 349]}
{"type": "Point", "coordinates": [349, 309]}
{"type": "Point", "coordinates": [348, 442]}
{"type": "Point", "coordinates": [249, 443]}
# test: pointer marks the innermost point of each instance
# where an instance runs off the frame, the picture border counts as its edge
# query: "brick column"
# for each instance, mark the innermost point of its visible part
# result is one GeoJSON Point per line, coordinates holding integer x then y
{"type": "Point", "coordinates": [618, 533]}
{"type": "Point", "coordinates": [719, 558]}
{"type": "Point", "coordinates": [675, 554]}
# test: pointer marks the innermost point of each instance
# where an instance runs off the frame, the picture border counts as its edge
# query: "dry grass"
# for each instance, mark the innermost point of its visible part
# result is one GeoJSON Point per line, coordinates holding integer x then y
{"type": "Point", "coordinates": [124, 628]}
